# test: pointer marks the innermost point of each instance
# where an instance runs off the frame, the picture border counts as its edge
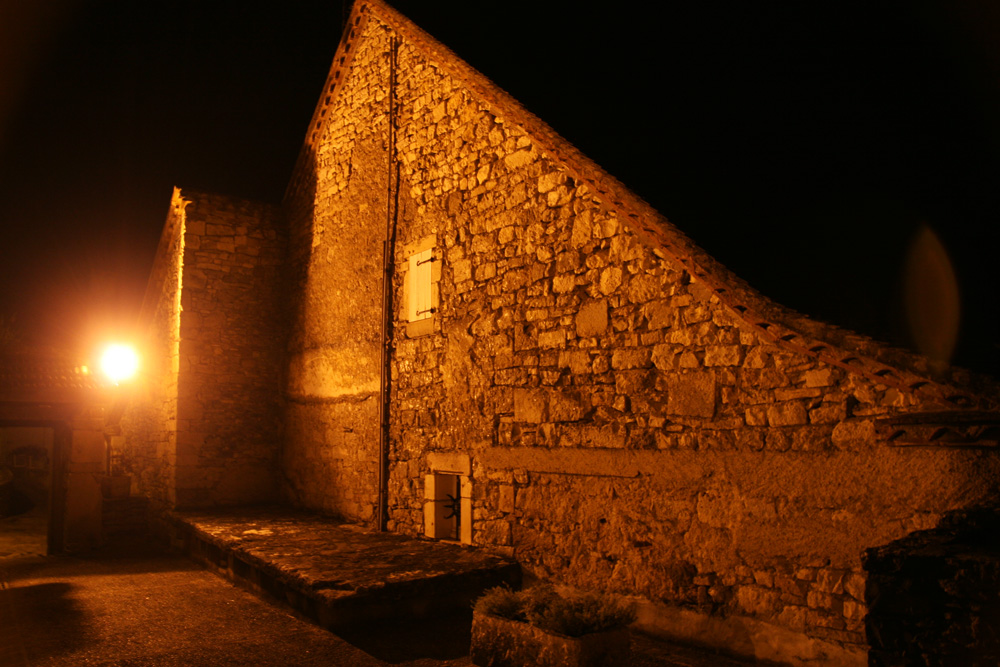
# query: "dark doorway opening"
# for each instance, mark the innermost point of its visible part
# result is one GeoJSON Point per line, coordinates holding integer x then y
{"type": "Point", "coordinates": [445, 520]}
{"type": "Point", "coordinates": [30, 492]}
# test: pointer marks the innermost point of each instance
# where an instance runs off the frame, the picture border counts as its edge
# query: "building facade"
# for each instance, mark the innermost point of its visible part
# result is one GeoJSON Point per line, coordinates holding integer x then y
{"type": "Point", "coordinates": [457, 326]}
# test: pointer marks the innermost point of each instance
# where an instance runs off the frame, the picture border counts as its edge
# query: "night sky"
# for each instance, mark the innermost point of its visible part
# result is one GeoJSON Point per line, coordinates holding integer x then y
{"type": "Point", "coordinates": [804, 145]}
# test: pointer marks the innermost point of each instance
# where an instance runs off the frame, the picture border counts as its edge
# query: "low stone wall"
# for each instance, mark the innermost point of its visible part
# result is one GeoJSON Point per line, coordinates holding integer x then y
{"type": "Point", "coordinates": [934, 596]}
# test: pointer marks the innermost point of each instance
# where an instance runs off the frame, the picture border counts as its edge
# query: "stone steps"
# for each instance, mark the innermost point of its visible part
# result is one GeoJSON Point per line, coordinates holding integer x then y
{"type": "Point", "coordinates": [338, 575]}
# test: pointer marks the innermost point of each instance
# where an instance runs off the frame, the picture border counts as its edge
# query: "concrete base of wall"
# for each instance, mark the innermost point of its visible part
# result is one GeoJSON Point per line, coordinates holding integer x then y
{"type": "Point", "coordinates": [745, 636]}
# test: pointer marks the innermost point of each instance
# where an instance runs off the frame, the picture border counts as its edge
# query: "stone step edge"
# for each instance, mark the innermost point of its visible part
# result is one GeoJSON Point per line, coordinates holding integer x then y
{"type": "Point", "coordinates": [333, 609]}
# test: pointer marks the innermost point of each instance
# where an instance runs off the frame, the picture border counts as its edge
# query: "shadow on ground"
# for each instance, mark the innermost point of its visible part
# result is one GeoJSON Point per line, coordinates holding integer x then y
{"type": "Point", "coordinates": [43, 605]}
{"type": "Point", "coordinates": [445, 637]}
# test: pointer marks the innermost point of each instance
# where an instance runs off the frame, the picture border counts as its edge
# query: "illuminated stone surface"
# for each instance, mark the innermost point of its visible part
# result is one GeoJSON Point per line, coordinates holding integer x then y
{"type": "Point", "coordinates": [638, 420]}
{"type": "Point", "coordinates": [339, 574]}
{"type": "Point", "coordinates": [203, 426]}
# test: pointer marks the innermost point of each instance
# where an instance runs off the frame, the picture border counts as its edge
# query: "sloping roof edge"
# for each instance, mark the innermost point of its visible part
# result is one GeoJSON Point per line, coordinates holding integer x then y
{"type": "Point", "coordinates": [176, 216]}
{"type": "Point", "coordinates": [905, 371]}
{"type": "Point", "coordinates": [154, 285]}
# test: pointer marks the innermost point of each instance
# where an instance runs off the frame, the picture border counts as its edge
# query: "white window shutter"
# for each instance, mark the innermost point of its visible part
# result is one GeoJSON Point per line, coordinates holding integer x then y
{"type": "Point", "coordinates": [419, 303]}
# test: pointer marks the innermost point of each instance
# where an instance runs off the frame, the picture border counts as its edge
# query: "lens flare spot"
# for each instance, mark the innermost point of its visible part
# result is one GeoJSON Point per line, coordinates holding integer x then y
{"type": "Point", "coordinates": [119, 362]}
{"type": "Point", "coordinates": [932, 297]}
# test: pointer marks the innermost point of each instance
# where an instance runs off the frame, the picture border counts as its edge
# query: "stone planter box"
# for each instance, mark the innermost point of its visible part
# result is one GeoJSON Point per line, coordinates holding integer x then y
{"type": "Point", "coordinates": [500, 642]}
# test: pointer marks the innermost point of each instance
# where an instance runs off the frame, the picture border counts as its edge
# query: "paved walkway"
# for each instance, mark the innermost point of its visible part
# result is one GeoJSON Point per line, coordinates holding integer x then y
{"type": "Point", "coordinates": [157, 609]}
{"type": "Point", "coordinates": [24, 534]}
{"type": "Point", "coordinates": [141, 607]}
{"type": "Point", "coordinates": [134, 605]}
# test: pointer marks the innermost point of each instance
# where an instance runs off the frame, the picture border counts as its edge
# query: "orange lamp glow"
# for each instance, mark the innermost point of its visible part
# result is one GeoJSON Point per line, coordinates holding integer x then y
{"type": "Point", "coordinates": [119, 362]}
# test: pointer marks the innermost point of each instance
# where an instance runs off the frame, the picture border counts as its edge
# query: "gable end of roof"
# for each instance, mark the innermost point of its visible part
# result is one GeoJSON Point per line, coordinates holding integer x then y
{"type": "Point", "coordinates": [950, 388]}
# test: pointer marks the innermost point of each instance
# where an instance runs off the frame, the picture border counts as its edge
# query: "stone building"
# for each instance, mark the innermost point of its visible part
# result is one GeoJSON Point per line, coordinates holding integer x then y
{"type": "Point", "coordinates": [457, 326]}
{"type": "Point", "coordinates": [53, 414]}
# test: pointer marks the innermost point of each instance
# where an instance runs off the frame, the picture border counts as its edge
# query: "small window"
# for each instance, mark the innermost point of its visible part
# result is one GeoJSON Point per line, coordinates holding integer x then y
{"type": "Point", "coordinates": [421, 266]}
{"type": "Point", "coordinates": [419, 304]}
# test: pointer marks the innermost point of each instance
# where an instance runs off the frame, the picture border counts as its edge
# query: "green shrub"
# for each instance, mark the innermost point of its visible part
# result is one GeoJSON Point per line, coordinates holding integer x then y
{"type": "Point", "coordinates": [500, 601]}
{"type": "Point", "coordinates": [537, 601]}
{"type": "Point", "coordinates": [544, 608]}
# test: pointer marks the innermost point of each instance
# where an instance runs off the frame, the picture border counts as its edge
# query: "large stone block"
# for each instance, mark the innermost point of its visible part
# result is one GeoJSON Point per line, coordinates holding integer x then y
{"type": "Point", "coordinates": [791, 413]}
{"type": "Point", "coordinates": [643, 288]}
{"type": "Point", "coordinates": [722, 355]}
{"type": "Point", "coordinates": [660, 314]}
{"type": "Point", "coordinates": [821, 377]}
{"type": "Point", "coordinates": [854, 433]}
{"type": "Point", "coordinates": [690, 394]}
{"type": "Point", "coordinates": [608, 436]}
{"type": "Point", "coordinates": [530, 405]}
{"type": "Point", "coordinates": [592, 319]}
{"type": "Point", "coordinates": [565, 406]}
{"type": "Point", "coordinates": [611, 280]}
{"type": "Point", "coordinates": [496, 532]}
{"type": "Point", "coordinates": [551, 339]}
{"type": "Point", "coordinates": [582, 228]}
{"type": "Point", "coordinates": [630, 358]}
{"type": "Point", "coordinates": [535, 406]}
{"type": "Point", "coordinates": [578, 361]}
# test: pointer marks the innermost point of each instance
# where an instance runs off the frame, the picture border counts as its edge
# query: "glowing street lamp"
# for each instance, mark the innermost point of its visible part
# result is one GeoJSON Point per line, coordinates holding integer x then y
{"type": "Point", "coordinates": [119, 362]}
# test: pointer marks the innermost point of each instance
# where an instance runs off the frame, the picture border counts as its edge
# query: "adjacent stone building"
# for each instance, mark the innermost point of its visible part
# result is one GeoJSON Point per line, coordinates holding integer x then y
{"type": "Point", "coordinates": [59, 410]}
{"type": "Point", "coordinates": [457, 326]}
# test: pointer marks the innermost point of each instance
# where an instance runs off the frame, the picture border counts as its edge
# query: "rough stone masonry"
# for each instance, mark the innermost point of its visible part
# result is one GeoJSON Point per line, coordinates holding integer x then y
{"type": "Point", "coordinates": [627, 415]}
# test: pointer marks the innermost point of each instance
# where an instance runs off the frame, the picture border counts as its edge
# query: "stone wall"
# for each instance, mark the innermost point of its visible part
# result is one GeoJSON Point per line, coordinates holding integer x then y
{"type": "Point", "coordinates": [203, 427]}
{"type": "Point", "coordinates": [231, 334]}
{"type": "Point", "coordinates": [627, 429]}
{"type": "Point", "coordinates": [124, 517]}
{"type": "Point", "coordinates": [330, 456]}
{"type": "Point", "coordinates": [150, 422]}
{"type": "Point", "coordinates": [84, 461]}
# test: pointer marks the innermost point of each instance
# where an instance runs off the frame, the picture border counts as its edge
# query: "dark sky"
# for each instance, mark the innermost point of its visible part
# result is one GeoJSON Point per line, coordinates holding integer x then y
{"type": "Point", "coordinates": [804, 145]}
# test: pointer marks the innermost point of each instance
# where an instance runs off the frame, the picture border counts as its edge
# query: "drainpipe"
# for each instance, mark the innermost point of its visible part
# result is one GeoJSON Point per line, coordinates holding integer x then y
{"type": "Point", "coordinates": [388, 259]}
